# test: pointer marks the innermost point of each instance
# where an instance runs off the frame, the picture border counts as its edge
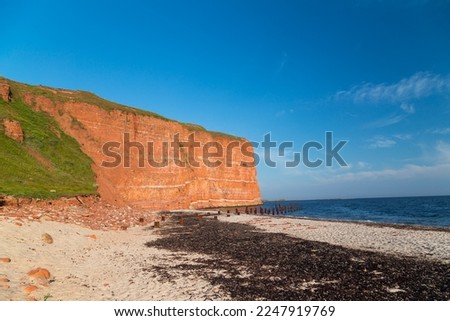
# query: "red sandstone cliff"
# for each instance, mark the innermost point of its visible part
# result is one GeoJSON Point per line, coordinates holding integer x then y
{"type": "Point", "coordinates": [150, 187]}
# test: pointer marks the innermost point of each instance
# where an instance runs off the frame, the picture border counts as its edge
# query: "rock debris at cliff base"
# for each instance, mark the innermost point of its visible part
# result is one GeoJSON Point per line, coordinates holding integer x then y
{"type": "Point", "coordinates": [250, 264]}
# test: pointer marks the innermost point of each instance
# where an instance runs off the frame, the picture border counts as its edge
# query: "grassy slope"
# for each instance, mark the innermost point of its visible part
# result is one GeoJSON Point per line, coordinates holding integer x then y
{"type": "Point", "coordinates": [60, 165]}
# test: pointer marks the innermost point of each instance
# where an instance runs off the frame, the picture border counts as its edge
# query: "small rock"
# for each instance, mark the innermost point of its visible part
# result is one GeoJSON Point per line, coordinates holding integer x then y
{"type": "Point", "coordinates": [47, 238]}
{"type": "Point", "coordinates": [31, 298]}
{"type": "Point", "coordinates": [4, 286]}
{"type": "Point", "coordinates": [4, 280]}
{"type": "Point", "coordinates": [93, 236]}
{"type": "Point", "coordinates": [5, 259]}
{"type": "Point", "coordinates": [39, 273]}
{"type": "Point", "coordinates": [30, 289]}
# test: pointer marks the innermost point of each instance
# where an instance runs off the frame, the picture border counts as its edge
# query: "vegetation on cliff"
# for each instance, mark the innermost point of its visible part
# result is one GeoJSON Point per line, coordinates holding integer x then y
{"type": "Point", "coordinates": [48, 163]}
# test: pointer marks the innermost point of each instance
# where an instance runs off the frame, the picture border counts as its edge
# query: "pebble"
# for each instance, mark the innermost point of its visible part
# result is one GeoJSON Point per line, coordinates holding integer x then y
{"type": "Point", "coordinates": [47, 238]}
{"type": "Point", "coordinates": [39, 273]}
{"type": "Point", "coordinates": [93, 213]}
{"type": "Point", "coordinates": [30, 289]}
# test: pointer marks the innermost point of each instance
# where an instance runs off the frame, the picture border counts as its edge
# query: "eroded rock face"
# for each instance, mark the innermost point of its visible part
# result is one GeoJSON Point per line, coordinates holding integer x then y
{"type": "Point", "coordinates": [13, 130]}
{"type": "Point", "coordinates": [5, 91]}
{"type": "Point", "coordinates": [194, 185]}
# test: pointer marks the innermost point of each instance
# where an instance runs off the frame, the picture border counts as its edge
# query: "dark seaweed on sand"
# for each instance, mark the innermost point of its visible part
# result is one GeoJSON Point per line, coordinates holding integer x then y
{"type": "Point", "coordinates": [250, 264]}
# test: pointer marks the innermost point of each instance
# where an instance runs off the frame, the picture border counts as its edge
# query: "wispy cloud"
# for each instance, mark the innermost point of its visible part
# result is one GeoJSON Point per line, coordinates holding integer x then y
{"type": "Point", "coordinates": [387, 121]}
{"type": "Point", "coordinates": [443, 152]}
{"type": "Point", "coordinates": [282, 63]}
{"type": "Point", "coordinates": [363, 165]}
{"type": "Point", "coordinates": [408, 108]}
{"type": "Point", "coordinates": [419, 85]}
{"type": "Point", "coordinates": [284, 112]}
{"type": "Point", "coordinates": [439, 167]}
{"type": "Point", "coordinates": [403, 136]}
{"type": "Point", "coordinates": [407, 171]}
{"type": "Point", "coordinates": [381, 142]}
{"type": "Point", "coordinates": [440, 131]}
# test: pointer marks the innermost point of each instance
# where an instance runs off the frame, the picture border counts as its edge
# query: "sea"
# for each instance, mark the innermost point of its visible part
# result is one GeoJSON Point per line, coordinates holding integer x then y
{"type": "Point", "coordinates": [425, 211]}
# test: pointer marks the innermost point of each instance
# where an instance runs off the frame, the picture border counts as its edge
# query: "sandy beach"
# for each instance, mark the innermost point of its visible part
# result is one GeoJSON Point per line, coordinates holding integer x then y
{"type": "Point", "coordinates": [236, 257]}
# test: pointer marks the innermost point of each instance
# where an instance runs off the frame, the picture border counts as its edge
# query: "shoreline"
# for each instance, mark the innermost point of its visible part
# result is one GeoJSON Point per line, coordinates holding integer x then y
{"type": "Point", "coordinates": [232, 210]}
{"type": "Point", "coordinates": [430, 244]}
{"type": "Point", "coordinates": [415, 227]}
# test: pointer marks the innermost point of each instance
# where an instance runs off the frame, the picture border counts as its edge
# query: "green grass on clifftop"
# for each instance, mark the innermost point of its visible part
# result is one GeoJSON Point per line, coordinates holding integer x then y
{"type": "Point", "coordinates": [62, 95]}
{"type": "Point", "coordinates": [48, 164]}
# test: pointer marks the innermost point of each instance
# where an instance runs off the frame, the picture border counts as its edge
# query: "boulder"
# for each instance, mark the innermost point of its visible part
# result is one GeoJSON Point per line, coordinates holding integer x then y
{"type": "Point", "coordinates": [13, 130]}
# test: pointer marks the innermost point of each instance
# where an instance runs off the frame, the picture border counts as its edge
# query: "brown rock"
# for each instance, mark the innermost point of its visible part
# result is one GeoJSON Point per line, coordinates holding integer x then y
{"type": "Point", "coordinates": [5, 91]}
{"type": "Point", "coordinates": [13, 130]}
{"type": "Point", "coordinates": [4, 280]}
{"type": "Point", "coordinates": [4, 286]}
{"type": "Point", "coordinates": [47, 238]}
{"type": "Point", "coordinates": [5, 260]}
{"type": "Point", "coordinates": [39, 273]}
{"type": "Point", "coordinates": [92, 236]}
{"type": "Point", "coordinates": [29, 289]}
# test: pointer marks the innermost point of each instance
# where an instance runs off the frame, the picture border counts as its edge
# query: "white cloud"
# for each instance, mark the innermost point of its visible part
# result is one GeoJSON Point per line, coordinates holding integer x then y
{"type": "Point", "coordinates": [443, 152]}
{"type": "Point", "coordinates": [408, 171]}
{"type": "Point", "coordinates": [403, 136]}
{"type": "Point", "coordinates": [363, 165]}
{"type": "Point", "coordinates": [381, 142]}
{"type": "Point", "coordinates": [283, 112]}
{"type": "Point", "coordinates": [408, 108]}
{"type": "Point", "coordinates": [440, 131]}
{"type": "Point", "coordinates": [420, 85]}
{"type": "Point", "coordinates": [282, 63]}
{"type": "Point", "coordinates": [387, 121]}
{"type": "Point", "coordinates": [280, 113]}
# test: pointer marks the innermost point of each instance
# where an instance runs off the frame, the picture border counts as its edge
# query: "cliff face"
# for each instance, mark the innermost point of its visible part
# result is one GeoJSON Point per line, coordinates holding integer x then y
{"type": "Point", "coordinates": [187, 181]}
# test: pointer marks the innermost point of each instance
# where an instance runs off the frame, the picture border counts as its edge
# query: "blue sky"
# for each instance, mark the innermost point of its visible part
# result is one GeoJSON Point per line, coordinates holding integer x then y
{"type": "Point", "coordinates": [375, 73]}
